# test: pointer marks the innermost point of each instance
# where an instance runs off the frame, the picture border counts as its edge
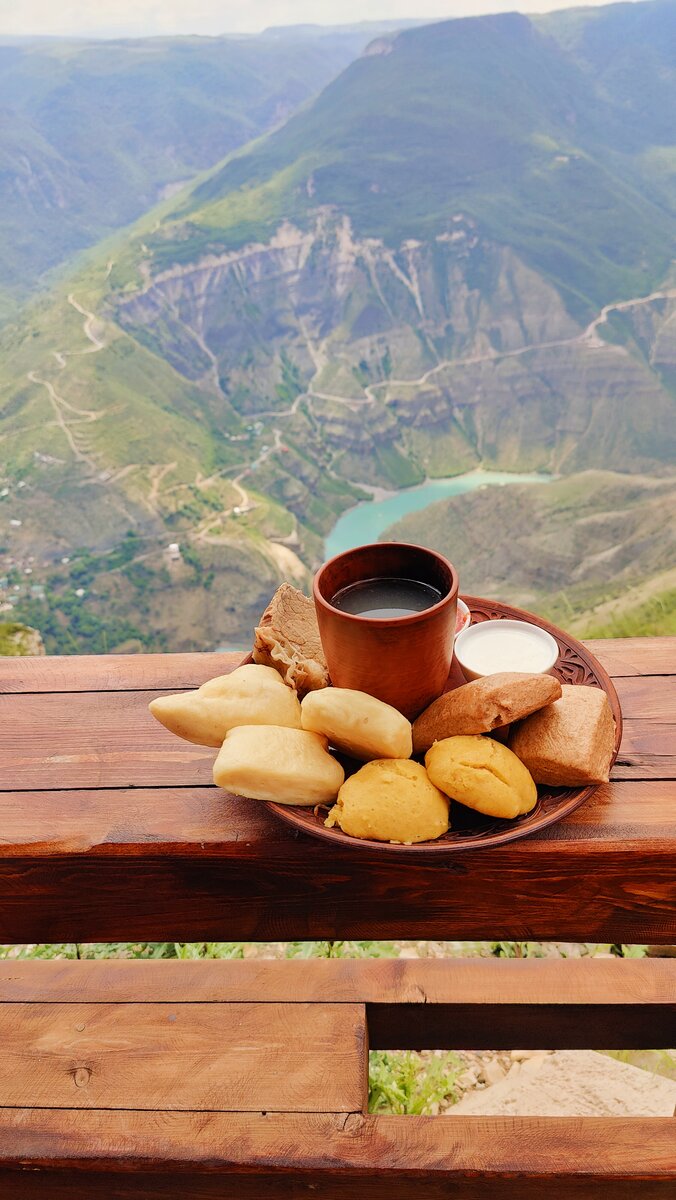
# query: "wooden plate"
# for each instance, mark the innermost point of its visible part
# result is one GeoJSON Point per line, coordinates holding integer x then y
{"type": "Point", "coordinates": [471, 830]}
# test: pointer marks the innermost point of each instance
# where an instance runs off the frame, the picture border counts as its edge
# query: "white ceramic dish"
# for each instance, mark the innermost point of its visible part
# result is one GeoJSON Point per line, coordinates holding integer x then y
{"type": "Point", "coordinates": [493, 646]}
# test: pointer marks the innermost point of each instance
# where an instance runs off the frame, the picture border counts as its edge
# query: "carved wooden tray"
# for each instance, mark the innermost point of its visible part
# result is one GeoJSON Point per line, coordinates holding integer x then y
{"type": "Point", "coordinates": [471, 830]}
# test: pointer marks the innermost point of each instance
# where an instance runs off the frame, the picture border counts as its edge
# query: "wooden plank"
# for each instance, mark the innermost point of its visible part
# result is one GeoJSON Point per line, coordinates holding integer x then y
{"type": "Point", "coordinates": [549, 889]}
{"type": "Point", "coordinates": [422, 1004]}
{"type": "Point", "coordinates": [215, 1057]}
{"type": "Point", "coordinates": [160, 821]}
{"type": "Point", "coordinates": [621, 657]}
{"type": "Point", "coordinates": [649, 697]}
{"type": "Point", "coordinates": [480, 981]}
{"type": "Point", "coordinates": [450, 1148]}
{"type": "Point", "coordinates": [109, 739]}
{"type": "Point", "coordinates": [88, 1185]}
{"type": "Point", "coordinates": [93, 739]}
{"type": "Point", "coordinates": [113, 672]}
{"type": "Point", "coordinates": [635, 656]}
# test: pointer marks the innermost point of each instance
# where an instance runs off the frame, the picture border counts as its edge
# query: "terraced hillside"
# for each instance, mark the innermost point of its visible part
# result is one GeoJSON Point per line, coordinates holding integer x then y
{"type": "Point", "coordinates": [459, 254]}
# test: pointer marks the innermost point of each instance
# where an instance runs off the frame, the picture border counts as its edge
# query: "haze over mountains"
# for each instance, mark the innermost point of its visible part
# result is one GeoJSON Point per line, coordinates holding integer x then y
{"type": "Point", "coordinates": [460, 252]}
{"type": "Point", "coordinates": [93, 133]}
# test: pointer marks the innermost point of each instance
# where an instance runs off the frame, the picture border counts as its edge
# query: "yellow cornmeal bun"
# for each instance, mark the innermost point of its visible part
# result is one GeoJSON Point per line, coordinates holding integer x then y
{"type": "Point", "coordinates": [482, 774]}
{"type": "Point", "coordinates": [249, 695]}
{"type": "Point", "coordinates": [391, 800]}
{"type": "Point", "coordinates": [357, 723]}
{"type": "Point", "coordinates": [266, 762]}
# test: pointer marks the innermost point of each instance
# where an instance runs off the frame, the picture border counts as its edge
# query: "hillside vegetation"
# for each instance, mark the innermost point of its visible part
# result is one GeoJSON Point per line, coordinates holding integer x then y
{"type": "Point", "coordinates": [93, 133]}
{"type": "Point", "coordinates": [595, 551]}
{"type": "Point", "coordinates": [459, 254]}
{"type": "Point", "coordinates": [561, 157]}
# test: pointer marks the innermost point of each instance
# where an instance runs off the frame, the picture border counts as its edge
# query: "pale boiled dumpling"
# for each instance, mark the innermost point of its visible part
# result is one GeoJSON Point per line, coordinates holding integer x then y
{"type": "Point", "coordinates": [249, 695]}
{"type": "Point", "coordinates": [358, 724]}
{"type": "Point", "coordinates": [290, 766]}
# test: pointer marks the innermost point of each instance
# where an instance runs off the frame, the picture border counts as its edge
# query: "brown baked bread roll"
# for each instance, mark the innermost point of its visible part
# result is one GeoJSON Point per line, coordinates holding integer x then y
{"type": "Point", "coordinates": [287, 638]}
{"type": "Point", "coordinates": [569, 743]}
{"type": "Point", "coordinates": [483, 705]}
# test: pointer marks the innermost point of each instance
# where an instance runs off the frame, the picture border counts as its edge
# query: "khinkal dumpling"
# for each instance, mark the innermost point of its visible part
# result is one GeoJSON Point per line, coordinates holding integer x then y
{"type": "Point", "coordinates": [249, 695]}
{"type": "Point", "coordinates": [289, 766]}
{"type": "Point", "coordinates": [358, 724]}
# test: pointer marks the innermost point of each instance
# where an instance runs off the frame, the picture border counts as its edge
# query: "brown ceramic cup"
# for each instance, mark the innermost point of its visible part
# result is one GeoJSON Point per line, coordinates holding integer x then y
{"type": "Point", "coordinates": [402, 660]}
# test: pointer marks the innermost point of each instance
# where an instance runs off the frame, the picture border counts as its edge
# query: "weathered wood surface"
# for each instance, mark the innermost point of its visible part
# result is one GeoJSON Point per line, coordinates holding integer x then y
{"type": "Point", "coordinates": [110, 829]}
{"type": "Point", "coordinates": [421, 1004]}
{"type": "Point", "coordinates": [109, 739]}
{"type": "Point", "coordinates": [349, 1185]}
{"type": "Point", "coordinates": [451, 1150]}
{"type": "Point", "coordinates": [621, 657]}
{"type": "Point", "coordinates": [239, 1057]}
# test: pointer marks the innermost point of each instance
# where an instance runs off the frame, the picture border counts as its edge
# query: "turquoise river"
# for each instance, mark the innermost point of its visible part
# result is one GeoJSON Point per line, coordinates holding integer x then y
{"type": "Point", "coordinates": [366, 522]}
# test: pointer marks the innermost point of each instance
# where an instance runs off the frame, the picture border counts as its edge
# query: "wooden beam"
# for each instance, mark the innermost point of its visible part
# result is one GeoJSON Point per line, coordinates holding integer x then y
{"type": "Point", "coordinates": [453, 1150]}
{"type": "Point", "coordinates": [113, 672]}
{"type": "Point", "coordinates": [190, 864]}
{"type": "Point", "coordinates": [417, 1004]}
{"type": "Point", "coordinates": [87, 1185]}
{"type": "Point", "coordinates": [198, 1057]}
{"type": "Point", "coordinates": [621, 657]}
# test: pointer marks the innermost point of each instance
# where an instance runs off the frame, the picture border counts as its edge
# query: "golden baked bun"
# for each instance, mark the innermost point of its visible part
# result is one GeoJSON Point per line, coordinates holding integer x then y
{"type": "Point", "coordinates": [357, 723]}
{"type": "Point", "coordinates": [569, 743]}
{"type": "Point", "coordinates": [290, 766]}
{"type": "Point", "coordinates": [391, 800]}
{"type": "Point", "coordinates": [249, 695]}
{"type": "Point", "coordinates": [482, 774]}
{"type": "Point", "coordinates": [483, 705]}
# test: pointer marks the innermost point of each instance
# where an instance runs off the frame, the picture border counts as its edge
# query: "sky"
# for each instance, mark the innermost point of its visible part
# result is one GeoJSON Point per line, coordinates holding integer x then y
{"type": "Point", "coordinates": [134, 18]}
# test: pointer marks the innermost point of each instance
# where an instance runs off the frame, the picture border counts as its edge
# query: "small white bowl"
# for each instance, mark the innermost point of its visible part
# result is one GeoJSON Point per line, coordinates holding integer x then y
{"type": "Point", "coordinates": [494, 646]}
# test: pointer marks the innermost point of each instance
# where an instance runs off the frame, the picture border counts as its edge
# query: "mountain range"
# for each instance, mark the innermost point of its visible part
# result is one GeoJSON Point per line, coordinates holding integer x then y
{"type": "Point", "coordinates": [92, 134]}
{"type": "Point", "coordinates": [459, 253]}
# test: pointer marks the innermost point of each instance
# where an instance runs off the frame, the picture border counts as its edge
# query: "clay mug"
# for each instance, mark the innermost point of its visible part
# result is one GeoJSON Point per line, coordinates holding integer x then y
{"type": "Point", "coordinates": [404, 661]}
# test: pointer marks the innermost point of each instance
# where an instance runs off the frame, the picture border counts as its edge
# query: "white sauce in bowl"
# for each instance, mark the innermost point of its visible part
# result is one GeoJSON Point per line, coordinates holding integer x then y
{"type": "Point", "coordinates": [494, 646]}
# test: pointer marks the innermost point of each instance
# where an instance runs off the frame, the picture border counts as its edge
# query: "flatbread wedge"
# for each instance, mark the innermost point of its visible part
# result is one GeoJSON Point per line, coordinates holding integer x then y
{"type": "Point", "coordinates": [287, 639]}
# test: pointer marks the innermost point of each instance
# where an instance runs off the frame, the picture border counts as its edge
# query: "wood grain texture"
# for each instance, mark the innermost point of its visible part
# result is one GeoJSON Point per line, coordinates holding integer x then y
{"type": "Point", "coordinates": [582, 890]}
{"type": "Point", "coordinates": [189, 864]}
{"type": "Point", "coordinates": [109, 739]}
{"type": "Point", "coordinates": [422, 1004]}
{"type": "Point", "coordinates": [392, 1147]}
{"type": "Point", "coordinates": [34, 1184]}
{"type": "Point", "coordinates": [113, 672]}
{"type": "Point", "coordinates": [193, 820]}
{"type": "Point", "coordinates": [216, 1057]}
{"type": "Point", "coordinates": [621, 657]}
{"type": "Point", "coordinates": [649, 697]}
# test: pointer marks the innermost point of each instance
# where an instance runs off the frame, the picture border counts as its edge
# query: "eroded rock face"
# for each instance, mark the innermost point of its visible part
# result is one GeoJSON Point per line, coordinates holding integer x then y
{"type": "Point", "coordinates": [453, 337]}
{"type": "Point", "coordinates": [16, 639]}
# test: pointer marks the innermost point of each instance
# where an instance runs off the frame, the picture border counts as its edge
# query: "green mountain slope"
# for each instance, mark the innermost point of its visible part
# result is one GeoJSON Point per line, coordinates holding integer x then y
{"type": "Point", "coordinates": [595, 551]}
{"type": "Point", "coordinates": [92, 132]}
{"type": "Point", "coordinates": [485, 116]}
{"type": "Point", "coordinates": [454, 256]}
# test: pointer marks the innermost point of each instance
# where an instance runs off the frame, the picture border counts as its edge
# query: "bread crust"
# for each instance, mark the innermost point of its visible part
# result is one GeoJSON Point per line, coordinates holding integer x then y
{"type": "Point", "coordinates": [570, 743]}
{"type": "Point", "coordinates": [287, 638]}
{"type": "Point", "coordinates": [483, 705]}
